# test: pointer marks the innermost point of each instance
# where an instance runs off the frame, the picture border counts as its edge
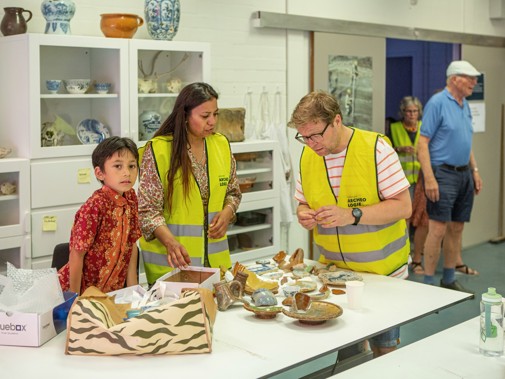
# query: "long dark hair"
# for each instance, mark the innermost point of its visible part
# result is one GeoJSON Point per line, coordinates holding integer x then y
{"type": "Point", "coordinates": [176, 125]}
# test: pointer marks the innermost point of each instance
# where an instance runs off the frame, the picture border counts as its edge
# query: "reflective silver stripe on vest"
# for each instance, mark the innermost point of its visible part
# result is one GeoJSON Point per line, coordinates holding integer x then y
{"type": "Point", "coordinates": [161, 259]}
{"type": "Point", "coordinates": [211, 216]}
{"type": "Point", "coordinates": [154, 258]}
{"type": "Point", "coordinates": [180, 230]}
{"type": "Point", "coordinates": [352, 229]}
{"type": "Point", "coordinates": [218, 246]}
{"type": "Point", "coordinates": [369, 256]}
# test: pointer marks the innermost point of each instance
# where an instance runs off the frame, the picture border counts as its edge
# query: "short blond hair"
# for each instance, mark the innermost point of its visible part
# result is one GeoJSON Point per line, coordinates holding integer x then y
{"type": "Point", "coordinates": [313, 107]}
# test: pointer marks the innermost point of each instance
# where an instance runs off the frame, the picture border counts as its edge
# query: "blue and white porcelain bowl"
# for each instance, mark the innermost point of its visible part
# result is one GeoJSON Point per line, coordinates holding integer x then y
{"type": "Point", "coordinates": [77, 86]}
{"type": "Point", "coordinates": [53, 85]}
{"type": "Point", "coordinates": [102, 87]}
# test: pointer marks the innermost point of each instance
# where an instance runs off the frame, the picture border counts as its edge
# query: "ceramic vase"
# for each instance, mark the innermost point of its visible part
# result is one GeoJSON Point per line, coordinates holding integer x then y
{"type": "Point", "coordinates": [58, 14]}
{"type": "Point", "coordinates": [149, 123]}
{"type": "Point", "coordinates": [162, 18]}
{"type": "Point", "coordinates": [14, 22]}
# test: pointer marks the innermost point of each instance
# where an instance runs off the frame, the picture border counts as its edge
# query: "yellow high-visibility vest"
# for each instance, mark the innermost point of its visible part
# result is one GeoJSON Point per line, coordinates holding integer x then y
{"type": "Point", "coordinates": [380, 249]}
{"type": "Point", "coordinates": [186, 221]}
{"type": "Point", "coordinates": [410, 163]}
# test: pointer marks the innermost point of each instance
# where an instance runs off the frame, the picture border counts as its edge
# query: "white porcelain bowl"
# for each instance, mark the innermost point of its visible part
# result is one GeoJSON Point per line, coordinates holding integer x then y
{"type": "Point", "coordinates": [77, 86]}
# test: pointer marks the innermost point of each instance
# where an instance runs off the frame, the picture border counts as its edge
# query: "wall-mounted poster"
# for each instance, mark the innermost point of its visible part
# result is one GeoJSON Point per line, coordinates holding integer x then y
{"type": "Point", "coordinates": [352, 68]}
{"type": "Point", "coordinates": [350, 80]}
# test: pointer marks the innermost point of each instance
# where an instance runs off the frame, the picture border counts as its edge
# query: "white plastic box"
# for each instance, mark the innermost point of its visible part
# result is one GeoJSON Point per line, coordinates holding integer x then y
{"type": "Point", "coordinates": [33, 329]}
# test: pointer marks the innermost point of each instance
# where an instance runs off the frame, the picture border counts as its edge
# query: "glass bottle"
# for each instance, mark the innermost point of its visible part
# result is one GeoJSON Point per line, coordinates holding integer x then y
{"type": "Point", "coordinates": [491, 324]}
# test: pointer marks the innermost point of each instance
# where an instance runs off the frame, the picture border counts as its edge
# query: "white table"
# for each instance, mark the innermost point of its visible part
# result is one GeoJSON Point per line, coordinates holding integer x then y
{"type": "Point", "coordinates": [244, 346]}
{"type": "Point", "coordinates": [452, 353]}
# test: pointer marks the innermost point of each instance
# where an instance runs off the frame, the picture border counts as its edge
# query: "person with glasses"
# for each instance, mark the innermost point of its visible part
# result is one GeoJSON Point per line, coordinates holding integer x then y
{"type": "Point", "coordinates": [451, 176]}
{"type": "Point", "coordinates": [404, 135]}
{"type": "Point", "coordinates": [353, 195]}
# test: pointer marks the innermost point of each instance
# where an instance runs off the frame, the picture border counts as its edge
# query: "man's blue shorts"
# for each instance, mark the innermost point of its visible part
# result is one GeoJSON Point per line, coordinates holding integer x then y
{"type": "Point", "coordinates": [456, 189]}
{"type": "Point", "coordinates": [390, 338]}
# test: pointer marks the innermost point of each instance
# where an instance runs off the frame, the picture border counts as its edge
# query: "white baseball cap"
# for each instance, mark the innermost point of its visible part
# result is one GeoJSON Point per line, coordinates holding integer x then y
{"type": "Point", "coordinates": [462, 68]}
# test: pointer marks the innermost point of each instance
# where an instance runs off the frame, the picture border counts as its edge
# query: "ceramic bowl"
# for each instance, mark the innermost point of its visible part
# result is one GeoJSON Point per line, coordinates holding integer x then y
{"type": "Point", "coordinates": [120, 25]}
{"type": "Point", "coordinates": [102, 87]}
{"type": "Point", "coordinates": [53, 85]}
{"type": "Point", "coordinates": [77, 86]}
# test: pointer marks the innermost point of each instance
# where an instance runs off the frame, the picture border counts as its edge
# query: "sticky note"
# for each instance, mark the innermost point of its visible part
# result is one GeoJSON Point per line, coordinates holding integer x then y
{"type": "Point", "coordinates": [84, 176]}
{"type": "Point", "coordinates": [49, 224]}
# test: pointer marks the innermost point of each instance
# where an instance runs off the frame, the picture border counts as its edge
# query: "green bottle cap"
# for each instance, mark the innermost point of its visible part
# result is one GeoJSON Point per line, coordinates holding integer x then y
{"type": "Point", "coordinates": [491, 296]}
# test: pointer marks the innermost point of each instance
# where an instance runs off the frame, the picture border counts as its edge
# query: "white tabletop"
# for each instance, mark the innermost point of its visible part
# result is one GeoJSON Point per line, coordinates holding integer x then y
{"type": "Point", "coordinates": [247, 347]}
{"type": "Point", "coordinates": [452, 353]}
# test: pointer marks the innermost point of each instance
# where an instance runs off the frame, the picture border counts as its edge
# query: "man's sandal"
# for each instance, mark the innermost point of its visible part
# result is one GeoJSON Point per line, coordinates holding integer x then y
{"type": "Point", "coordinates": [466, 270]}
{"type": "Point", "coordinates": [417, 268]}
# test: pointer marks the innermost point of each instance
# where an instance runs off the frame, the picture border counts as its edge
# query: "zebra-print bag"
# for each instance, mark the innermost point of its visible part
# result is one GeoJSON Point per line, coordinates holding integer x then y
{"type": "Point", "coordinates": [181, 327]}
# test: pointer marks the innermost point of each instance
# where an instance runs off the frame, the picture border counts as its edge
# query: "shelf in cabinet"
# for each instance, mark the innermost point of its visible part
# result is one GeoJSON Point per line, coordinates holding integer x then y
{"type": "Point", "coordinates": [79, 96]}
{"type": "Point", "coordinates": [253, 171]}
{"type": "Point", "coordinates": [162, 95]}
{"type": "Point", "coordinates": [8, 197]}
{"type": "Point", "coordinates": [234, 229]}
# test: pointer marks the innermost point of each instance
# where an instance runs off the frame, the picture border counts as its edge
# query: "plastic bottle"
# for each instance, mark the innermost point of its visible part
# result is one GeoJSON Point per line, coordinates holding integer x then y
{"type": "Point", "coordinates": [491, 324]}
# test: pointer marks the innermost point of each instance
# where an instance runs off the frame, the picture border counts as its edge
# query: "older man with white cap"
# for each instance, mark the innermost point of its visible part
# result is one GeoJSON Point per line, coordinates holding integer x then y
{"type": "Point", "coordinates": [450, 171]}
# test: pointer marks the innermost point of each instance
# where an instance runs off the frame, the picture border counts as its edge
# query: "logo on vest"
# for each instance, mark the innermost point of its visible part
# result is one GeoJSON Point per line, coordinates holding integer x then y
{"type": "Point", "coordinates": [354, 202]}
{"type": "Point", "coordinates": [223, 181]}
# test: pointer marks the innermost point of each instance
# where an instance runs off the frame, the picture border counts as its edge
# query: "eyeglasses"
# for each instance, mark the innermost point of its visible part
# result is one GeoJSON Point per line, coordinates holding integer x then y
{"type": "Point", "coordinates": [411, 110]}
{"type": "Point", "coordinates": [316, 137]}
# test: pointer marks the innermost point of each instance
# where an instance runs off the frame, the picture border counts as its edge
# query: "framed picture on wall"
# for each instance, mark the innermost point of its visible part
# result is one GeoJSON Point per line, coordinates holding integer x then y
{"type": "Point", "coordinates": [352, 68]}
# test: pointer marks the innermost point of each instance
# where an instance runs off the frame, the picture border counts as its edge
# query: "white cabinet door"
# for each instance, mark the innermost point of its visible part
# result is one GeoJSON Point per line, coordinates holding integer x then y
{"type": "Point", "coordinates": [50, 227]}
{"type": "Point", "coordinates": [45, 125]}
{"type": "Point", "coordinates": [14, 207]}
{"type": "Point", "coordinates": [158, 71]}
{"type": "Point", "coordinates": [15, 250]}
{"type": "Point", "coordinates": [62, 182]}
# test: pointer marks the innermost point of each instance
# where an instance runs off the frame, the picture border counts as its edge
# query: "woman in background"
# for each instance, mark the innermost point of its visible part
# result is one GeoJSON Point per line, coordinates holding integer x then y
{"type": "Point", "coordinates": [404, 135]}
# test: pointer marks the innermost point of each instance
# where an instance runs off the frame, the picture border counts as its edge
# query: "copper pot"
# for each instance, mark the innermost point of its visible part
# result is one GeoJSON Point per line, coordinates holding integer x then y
{"type": "Point", "coordinates": [120, 25]}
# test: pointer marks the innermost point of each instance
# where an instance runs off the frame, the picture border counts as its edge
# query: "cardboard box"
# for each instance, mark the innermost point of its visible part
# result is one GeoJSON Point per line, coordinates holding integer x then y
{"type": "Point", "coordinates": [192, 277]}
{"type": "Point", "coordinates": [33, 329]}
{"type": "Point", "coordinates": [97, 326]}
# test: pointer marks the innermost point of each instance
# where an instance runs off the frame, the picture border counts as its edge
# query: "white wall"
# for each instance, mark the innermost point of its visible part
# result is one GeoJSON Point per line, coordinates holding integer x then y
{"type": "Point", "coordinates": [244, 57]}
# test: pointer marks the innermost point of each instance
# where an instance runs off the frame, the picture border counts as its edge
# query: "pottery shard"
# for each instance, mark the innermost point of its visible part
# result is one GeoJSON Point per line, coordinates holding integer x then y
{"type": "Point", "coordinates": [297, 257]}
{"type": "Point", "coordinates": [337, 292]}
{"type": "Point", "coordinates": [279, 257]}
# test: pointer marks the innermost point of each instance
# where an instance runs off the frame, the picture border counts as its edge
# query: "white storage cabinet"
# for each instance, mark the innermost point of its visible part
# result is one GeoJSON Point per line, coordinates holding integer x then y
{"type": "Point", "coordinates": [256, 233]}
{"type": "Point", "coordinates": [62, 176]}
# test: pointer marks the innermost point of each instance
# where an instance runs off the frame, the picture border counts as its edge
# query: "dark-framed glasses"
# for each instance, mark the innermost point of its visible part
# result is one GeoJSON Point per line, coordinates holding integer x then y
{"type": "Point", "coordinates": [316, 137]}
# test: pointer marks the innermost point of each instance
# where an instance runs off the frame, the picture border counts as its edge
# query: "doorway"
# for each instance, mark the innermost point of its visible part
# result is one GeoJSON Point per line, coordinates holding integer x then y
{"type": "Point", "coordinates": [415, 68]}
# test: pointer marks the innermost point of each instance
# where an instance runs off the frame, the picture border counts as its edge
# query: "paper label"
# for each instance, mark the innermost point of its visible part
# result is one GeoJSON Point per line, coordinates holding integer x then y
{"type": "Point", "coordinates": [83, 176]}
{"type": "Point", "coordinates": [49, 224]}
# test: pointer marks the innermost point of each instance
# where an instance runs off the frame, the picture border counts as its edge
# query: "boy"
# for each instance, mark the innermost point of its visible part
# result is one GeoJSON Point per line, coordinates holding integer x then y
{"type": "Point", "coordinates": [103, 249]}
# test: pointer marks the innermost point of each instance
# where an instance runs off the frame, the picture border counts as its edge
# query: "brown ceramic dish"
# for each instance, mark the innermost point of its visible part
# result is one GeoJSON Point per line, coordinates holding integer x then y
{"type": "Point", "coordinates": [263, 312]}
{"type": "Point", "coordinates": [318, 313]}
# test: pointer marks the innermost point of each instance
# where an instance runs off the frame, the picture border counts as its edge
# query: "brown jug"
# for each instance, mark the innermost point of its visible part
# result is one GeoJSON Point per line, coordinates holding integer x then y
{"type": "Point", "coordinates": [13, 21]}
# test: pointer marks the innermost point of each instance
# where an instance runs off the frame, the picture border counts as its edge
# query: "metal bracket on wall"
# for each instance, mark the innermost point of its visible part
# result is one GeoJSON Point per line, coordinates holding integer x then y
{"type": "Point", "coordinates": [325, 25]}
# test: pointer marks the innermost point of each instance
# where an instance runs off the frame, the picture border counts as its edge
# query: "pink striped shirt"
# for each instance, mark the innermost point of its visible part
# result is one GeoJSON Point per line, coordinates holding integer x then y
{"type": "Point", "coordinates": [391, 180]}
{"type": "Point", "coordinates": [391, 177]}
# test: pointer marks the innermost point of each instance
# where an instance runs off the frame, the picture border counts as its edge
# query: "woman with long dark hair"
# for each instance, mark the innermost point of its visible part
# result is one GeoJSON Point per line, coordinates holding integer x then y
{"type": "Point", "coordinates": [188, 192]}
